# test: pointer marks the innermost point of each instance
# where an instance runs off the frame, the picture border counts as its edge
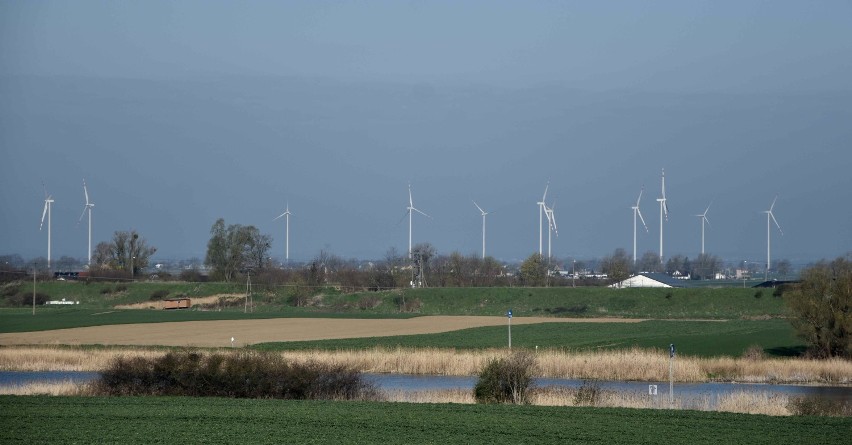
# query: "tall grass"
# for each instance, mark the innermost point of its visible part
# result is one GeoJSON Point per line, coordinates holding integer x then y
{"type": "Point", "coordinates": [628, 364]}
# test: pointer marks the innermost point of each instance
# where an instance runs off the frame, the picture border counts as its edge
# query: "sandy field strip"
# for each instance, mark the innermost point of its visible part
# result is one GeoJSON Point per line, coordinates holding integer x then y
{"type": "Point", "coordinates": [218, 333]}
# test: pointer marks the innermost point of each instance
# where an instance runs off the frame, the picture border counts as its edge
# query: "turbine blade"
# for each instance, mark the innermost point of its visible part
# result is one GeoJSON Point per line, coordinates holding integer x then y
{"type": "Point", "coordinates": [642, 219]}
{"type": "Point", "coordinates": [776, 222]}
{"type": "Point", "coordinates": [707, 220]}
{"type": "Point", "coordinates": [279, 216]}
{"type": "Point", "coordinates": [410, 200]}
{"type": "Point", "coordinates": [480, 208]}
{"type": "Point", "coordinates": [86, 192]}
{"type": "Point", "coordinates": [418, 211]}
{"type": "Point", "coordinates": [82, 214]}
{"type": "Point", "coordinates": [545, 192]}
{"type": "Point", "coordinates": [43, 214]}
{"type": "Point", "coordinates": [640, 196]}
{"type": "Point", "coordinates": [773, 204]}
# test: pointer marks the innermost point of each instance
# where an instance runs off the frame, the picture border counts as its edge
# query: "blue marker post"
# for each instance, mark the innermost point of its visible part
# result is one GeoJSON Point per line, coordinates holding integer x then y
{"type": "Point", "coordinates": [509, 316]}
{"type": "Point", "coordinates": [671, 375]}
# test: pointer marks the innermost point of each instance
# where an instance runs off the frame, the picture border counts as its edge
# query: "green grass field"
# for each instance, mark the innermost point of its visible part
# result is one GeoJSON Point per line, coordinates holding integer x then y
{"type": "Point", "coordinates": [704, 339]}
{"type": "Point", "coordinates": [716, 303]}
{"type": "Point", "coordinates": [29, 419]}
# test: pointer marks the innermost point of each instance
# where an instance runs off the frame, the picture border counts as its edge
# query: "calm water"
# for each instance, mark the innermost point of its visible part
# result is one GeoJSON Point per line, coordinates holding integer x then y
{"type": "Point", "coordinates": [423, 383]}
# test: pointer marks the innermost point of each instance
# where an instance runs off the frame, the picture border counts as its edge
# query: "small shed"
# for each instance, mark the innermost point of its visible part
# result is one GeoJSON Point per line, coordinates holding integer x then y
{"type": "Point", "coordinates": [177, 303]}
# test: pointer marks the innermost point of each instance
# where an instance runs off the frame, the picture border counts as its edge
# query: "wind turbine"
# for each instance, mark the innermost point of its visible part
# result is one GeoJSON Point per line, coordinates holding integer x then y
{"type": "Point", "coordinates": [483, 226]}
{"type": "Point", "coordinates": [541, 211]}
{"type": "Point", "coordinates": [636, 211]}
{"type": "Point", "coordinates": [704, 219]}
{"type": "Point", "coordinates": [286, 216]}
{"type": "Point", "coordinates": [88, 207]}
{"type": "Point", "coordinates": [770, 215]}
{"type": "Point", "coordinates": [551, 226]}
{"type": "Point", "coordinates": [410, 210]}
{"type": "Point", "coordinates": [48, 203]}
{"type": "Point", "coordinates": [664, 211]}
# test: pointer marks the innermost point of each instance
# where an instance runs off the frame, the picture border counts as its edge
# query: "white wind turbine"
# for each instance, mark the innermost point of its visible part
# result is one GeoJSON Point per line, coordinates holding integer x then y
{"type": "Point", "coordinates": [87, 207]}
{"type": "Point", "coordinates": [541, 211]}
{"type": "Point", "coordinates": [636, 211]}
{"type": "Point", "coordinates": [704, 219]}
{"type": "Point", "coordinates": [770, 215]}
{"type": "Point", "coordinates": [410, 210]}
{"type": "Point", "coordinates": [48, 203]}
{"type": "Point", "coordinates": [286, 216]}
{"type": "Point", "coordinates": [664, 211]}
{"type": "Point", "coordinates": [483, 226]}
{"type": "Point", "coordinates": [551, 226]}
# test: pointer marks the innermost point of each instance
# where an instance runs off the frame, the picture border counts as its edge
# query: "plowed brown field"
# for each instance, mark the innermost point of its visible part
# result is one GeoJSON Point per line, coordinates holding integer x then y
{"type": "Point", "coordinates": [219, 333]}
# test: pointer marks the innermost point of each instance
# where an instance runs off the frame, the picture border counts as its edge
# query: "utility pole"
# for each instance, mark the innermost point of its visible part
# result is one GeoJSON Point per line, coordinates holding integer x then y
{"type": "Point", "coordinates": [671, 375]}
{"type": "Point", "coordinates": [34, 287]}
{"type": "Point", "coordinates": [509, 316]}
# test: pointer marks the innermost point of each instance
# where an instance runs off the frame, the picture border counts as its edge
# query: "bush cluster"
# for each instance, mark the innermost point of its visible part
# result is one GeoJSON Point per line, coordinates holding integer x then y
{"type": "Point", "coordinates": [588, 394]}
{"type": "Point", "coordinates": [819, 406]}
{"type": "Point", "coordinates": [159, 294]}
{"type": "Point", "coordinates": [241, 374]}
{"type": "Point", "coordinates": [26, 299]}
{"type": "Point", "coordinates": [506, 380]}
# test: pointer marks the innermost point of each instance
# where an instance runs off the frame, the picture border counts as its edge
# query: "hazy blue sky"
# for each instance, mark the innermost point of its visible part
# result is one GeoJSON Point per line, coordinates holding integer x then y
{"type": "Point", "coordinates": [178, 113]}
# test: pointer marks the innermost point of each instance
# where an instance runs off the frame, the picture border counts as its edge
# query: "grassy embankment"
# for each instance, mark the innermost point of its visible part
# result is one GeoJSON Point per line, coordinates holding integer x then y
{"type": "Point", "coordinates": [724, 303]}
{"type": "Point", "coordinates": [213, 420]}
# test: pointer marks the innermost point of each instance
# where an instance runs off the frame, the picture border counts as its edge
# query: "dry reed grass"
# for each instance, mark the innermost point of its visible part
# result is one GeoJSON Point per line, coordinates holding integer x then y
{"type": "Point", "coordinates": [625, 365]}
{"type": "Point", "coordinates": [50, 389]}
{"type": "Point", "coordinates": [742, 402]}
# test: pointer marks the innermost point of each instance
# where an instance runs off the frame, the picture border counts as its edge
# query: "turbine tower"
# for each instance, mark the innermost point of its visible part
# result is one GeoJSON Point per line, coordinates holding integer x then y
{"type": "Point", "coordinates": [87, 207]}
{"type": "Point", "coordinates": [48, 203]}
{"type": "Point", "coordinates": [286, 216]}
{"type": "Point", "coordinates": [541, 212]}
{"type": "Point", "coordinates": [410, 210]}
{"type": "Point", "coordinates": [770, 215]}
{"type": "Point", "coordinates": [636, 211]}
{"type": "Point", "coordinates": [664, 212]}
{"type": "Point", "coordinates": [483, 227]}
{"type": "Point", "coordinates": [704, 219]}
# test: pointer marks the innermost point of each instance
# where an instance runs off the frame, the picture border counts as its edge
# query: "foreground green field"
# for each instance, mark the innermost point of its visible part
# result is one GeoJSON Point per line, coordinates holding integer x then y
{"type": "Point", "coordinates": [705, 339]}
{"type": "Point", "coordinates": [29, 419]}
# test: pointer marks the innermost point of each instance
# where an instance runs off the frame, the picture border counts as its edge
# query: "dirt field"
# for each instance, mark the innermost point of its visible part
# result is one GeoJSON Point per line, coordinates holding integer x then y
{"type": "Point", "coordinates": [219, 333]}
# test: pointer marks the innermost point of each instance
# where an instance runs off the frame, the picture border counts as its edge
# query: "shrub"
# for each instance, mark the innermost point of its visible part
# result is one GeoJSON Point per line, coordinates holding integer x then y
{"type": "Point", "coordinates": [758, 294]}
{"type": "Point", "coordinates": [242, 374]}
{"type": "Point", "coordinates": [120, 287]}
{"type": "Point", "coordinates": [26, 299]}
{"type": "Point", "coordinates": [506, 380]}
{"type": "Point", "coordinates": [588, 394]}
{"type": "Point", "coordinates": [819, 406]}
{"type": "Point", "coordinates": [106, 290]}
{"type": "Point", "coordinates": [754, 352]}
{"type": "Point", "coordinates": [369, 302]}
{"type": "Point", "coordinates": [159, 294]}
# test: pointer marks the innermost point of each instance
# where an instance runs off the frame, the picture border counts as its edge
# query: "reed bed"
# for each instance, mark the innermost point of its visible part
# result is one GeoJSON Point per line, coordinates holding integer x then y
{"type": "Point", "coordinates": [625, 365]}
{"type": "Point", "coordinates": [739, 402]}
{"type": "Point", "coordinates": [50, 389]}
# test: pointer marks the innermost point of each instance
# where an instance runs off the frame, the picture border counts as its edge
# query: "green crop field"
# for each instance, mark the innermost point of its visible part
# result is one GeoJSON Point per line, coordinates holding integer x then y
{"type": "Point", "coordinates": [702, 303]}
{"type": "Point", "coordinates": [699, 338]}
{"type": "Point", "coordinates": [61, 420]}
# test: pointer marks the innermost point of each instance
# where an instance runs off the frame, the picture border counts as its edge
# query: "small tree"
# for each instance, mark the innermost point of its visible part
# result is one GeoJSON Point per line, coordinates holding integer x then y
{"type": "Point", "coordinates": [533, 271]}
{"type": "Point", "coordinates": [234, 248]}
{"type": "Point", "coordinates": [506, 380]}
{"type": "Point", "coordinates": [821, 307]}
{"type": "Point", "coordinates": [617, 266]}
{"type": "Point", "coordinates": [127, 251]}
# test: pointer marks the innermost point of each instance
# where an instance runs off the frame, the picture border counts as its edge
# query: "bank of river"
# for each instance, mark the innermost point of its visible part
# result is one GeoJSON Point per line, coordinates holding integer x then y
{"type": "Point", "coordinates": [412, 383]}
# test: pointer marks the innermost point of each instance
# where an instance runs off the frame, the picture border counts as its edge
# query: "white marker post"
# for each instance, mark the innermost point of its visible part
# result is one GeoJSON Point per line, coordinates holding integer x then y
{"type": "Point", "coordinates": [671, 375]}
{"type": "Point", "coordinates": [232, 342]}
{"type": "Point", "coordinates": [509, 315]}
